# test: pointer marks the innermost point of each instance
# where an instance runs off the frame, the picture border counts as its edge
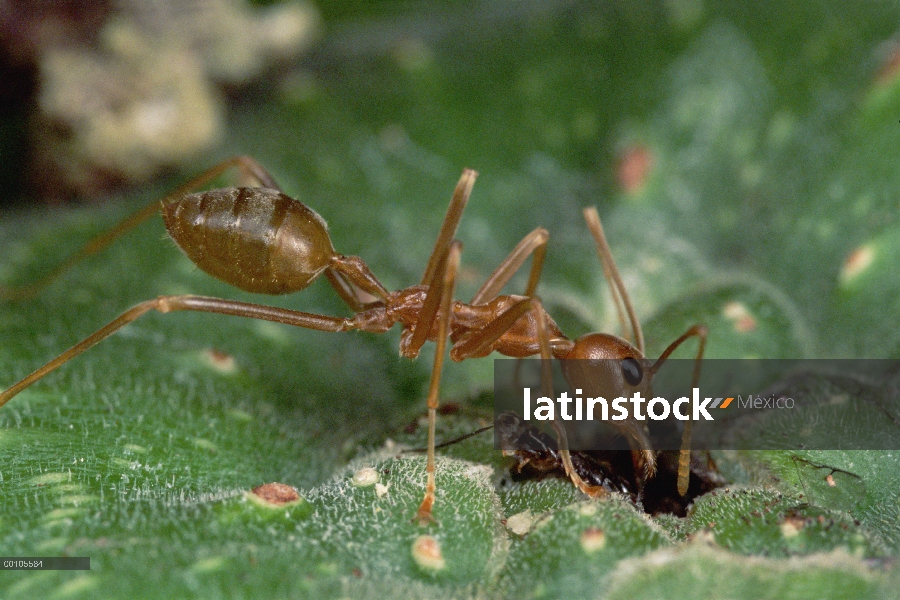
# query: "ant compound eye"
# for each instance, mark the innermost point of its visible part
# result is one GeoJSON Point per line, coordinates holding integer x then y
{"type": "Point", "coordinates": [631, 371]}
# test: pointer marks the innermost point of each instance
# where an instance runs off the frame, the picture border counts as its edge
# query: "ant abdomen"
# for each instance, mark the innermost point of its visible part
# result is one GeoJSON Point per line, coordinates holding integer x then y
{"type": "Point", "coordinates": [256, 239]}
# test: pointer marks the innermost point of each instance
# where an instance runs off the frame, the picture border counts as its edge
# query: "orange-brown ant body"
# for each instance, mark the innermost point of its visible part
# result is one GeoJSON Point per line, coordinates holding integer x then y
{"type": "Point", "coordinates": [260, 240]}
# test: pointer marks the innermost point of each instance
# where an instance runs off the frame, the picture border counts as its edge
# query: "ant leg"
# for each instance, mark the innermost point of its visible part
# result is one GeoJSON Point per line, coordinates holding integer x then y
{"type": "Point", "coordinates": [451, 222]}
{"type": "Point", "coordinates": [348, 292]}
{"type": "Point", "coordinates": [448, 283]}
{"type": "Point", "coordinates": [248, 167]}
{"type": "Point", "coordinates": [358, 287]}
{"type": "Point", "coordinates": [594, 491]}
{"type": "Point", "coordinates": [616, 287]}
{"type": "Point", "coordinates": [479, 341]}
{"type": "Point", "coordinates": [165, 304]}
{"type": "Point", "coordinates": [412, 341]}
{"type": "Point", "coordinates": [253, 174]}
{"type": "Point", "coordinates": [684, 456]}
{"type": "Point", "coordinates": [533, 243]}
{"type": "Point", "coordinates": [350, 277]}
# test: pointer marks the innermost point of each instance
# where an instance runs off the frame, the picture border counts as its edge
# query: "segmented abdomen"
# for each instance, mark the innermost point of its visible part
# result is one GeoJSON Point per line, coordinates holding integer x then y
{"type": "Point", "coordinates": [255, 239]}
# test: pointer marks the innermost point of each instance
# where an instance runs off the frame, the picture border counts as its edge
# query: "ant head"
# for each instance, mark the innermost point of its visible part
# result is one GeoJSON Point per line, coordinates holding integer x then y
{"type": "Point", "coordinates": [606, 365]}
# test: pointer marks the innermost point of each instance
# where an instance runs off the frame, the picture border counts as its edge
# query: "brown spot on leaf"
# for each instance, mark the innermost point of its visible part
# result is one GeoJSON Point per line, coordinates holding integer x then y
{"type": "Point", "coordinates": [592, 540]}
{"type": "Point", "coordinates": [426, 551]}
{"type": "Point", "coordinates": [792, 526]}
{"type": "Point", "coordinates": [277, 493]}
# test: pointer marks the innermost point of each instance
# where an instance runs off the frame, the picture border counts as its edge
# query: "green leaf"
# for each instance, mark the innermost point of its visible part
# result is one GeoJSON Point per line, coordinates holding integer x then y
{"type": "Point", "coordinates": [698, 571]}
{"type": "Point", "coordinates": [571, 551]}
{"type": "Point", "coordinates": [743, 159]}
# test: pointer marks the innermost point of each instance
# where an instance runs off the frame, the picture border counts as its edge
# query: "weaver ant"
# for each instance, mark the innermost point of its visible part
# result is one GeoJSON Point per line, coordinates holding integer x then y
{"type": "Point", "coordinates": [260, 240]}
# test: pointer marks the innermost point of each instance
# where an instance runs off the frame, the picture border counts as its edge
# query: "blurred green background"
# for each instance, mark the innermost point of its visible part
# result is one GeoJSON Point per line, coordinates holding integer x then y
{"type": "Point", "coordinates": [742, 159]}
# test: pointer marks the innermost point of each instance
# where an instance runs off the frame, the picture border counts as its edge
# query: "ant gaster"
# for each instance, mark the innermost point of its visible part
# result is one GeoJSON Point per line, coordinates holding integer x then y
{"type": "Point", "coordinates": [260, 240]}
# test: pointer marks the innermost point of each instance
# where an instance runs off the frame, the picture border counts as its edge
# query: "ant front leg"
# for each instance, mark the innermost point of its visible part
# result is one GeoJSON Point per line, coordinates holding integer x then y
{"type": "Point", "coordinates": [477, 342]}
{"type": "Point", "coordinates": [684, 455]}
{"type": "Point", "coordinates": [166, 304]}
{"type": "Point", "coordinates": [594, 491]}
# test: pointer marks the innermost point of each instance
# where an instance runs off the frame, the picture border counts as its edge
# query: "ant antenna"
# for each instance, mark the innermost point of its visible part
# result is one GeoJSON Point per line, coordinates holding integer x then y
{"type": "Point", "coordinates": [617, 286]}
{"type": "Point", "coordinates": [451, 442]}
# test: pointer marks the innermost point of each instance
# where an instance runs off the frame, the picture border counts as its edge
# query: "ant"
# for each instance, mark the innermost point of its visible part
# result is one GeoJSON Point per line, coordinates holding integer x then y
{"type": "Point", "coordinates": [260, 240]}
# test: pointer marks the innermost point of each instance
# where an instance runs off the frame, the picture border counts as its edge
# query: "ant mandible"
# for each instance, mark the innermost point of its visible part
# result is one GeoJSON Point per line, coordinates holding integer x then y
{"type": "Point", "coordinates": [260, 240]}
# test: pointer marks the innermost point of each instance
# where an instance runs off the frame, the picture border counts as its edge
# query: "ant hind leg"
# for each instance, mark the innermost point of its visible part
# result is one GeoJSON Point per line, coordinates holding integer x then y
{"type": "Point", "coordinates": [165, 304]}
